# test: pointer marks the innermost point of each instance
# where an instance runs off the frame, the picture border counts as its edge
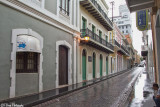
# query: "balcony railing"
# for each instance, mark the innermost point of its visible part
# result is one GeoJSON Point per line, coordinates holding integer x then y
{"type": "Point", "coordinates": [125, 49]}
{"type": "Point", "coordinates": [101, 11]}
{"type": "Point", "coordinates": [93, 36]}
{"type": "Point", "coordinates": [116, 43]}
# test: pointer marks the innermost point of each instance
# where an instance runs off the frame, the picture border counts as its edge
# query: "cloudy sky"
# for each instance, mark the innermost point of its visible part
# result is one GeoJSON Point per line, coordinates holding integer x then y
{"type": "Point", "coordinates": [137, 35]}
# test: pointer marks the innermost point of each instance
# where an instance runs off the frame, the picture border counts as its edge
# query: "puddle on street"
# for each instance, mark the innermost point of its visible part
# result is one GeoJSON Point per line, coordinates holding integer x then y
{"type": "Point", "coordinates": [141, 91]}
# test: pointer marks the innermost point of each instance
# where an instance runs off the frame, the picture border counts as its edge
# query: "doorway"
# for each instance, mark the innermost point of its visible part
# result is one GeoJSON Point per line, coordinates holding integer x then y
{"type": "Point", "coordinates": [84, 65]}
{"type": "Point", "coordinates": [63, 65]}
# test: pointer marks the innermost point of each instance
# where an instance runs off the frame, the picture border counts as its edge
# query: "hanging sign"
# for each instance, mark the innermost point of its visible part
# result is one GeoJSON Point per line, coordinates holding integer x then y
{"type": "Point", "coordinates": [142, 20]}
{"type": "Point", "coordinates": [27, 43]}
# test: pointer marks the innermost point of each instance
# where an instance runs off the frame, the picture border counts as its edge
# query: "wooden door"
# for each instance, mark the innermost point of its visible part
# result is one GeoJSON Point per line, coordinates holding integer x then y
{"type": "Point", "coordinates": [101, 62]}
{"type": "Point", "coordinates": [63, 65]}
{"type": "Point", "coordinates": [106, 65]}
{"type": "Point", "coordinates": [84, 65]}
{"type": "Point", "coordinates": [94, 65]}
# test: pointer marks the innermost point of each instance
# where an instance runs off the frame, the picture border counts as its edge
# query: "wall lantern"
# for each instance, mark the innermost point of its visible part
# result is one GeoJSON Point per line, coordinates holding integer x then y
{"type": "Point", "coordinates": [86, 38]}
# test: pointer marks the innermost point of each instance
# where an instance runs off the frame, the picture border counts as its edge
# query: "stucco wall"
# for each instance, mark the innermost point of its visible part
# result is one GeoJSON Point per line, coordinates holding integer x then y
{"type": "Point", "coordinates": [91, 20]}
{"type": "Point", "coordinates": [13, 19]}
{"type": "Point", "coordinates": [89, 69]}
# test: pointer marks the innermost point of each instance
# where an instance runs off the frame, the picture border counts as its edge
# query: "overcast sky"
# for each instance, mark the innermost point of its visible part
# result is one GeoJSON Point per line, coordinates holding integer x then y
{"type": "Point", "coordinates": [136, 34]}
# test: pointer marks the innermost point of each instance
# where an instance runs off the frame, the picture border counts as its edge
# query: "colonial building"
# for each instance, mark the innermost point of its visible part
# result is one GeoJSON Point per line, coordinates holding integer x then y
{"type": "Point", "coordinates": [121, 53]}
{"type": "Point", "coordinates": [94, 47]}
{"type": "Point", "coordinates": [38, 45]}
{"type": "Point", "coordinates": [124, 21]}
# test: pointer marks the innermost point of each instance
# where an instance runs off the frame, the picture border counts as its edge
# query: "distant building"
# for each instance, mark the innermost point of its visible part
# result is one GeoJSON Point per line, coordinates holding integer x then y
{"type": "Point", "coordinates": [123, 21]}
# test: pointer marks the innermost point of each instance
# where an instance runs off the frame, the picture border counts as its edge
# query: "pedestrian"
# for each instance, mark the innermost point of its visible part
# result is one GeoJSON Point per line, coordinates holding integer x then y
{"type": "Point", "coordinates": [156, 96]}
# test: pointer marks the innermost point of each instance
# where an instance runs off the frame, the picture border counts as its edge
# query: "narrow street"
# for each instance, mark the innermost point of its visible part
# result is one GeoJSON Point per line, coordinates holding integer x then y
{"type": "Point", "coordinates": [108, 93]}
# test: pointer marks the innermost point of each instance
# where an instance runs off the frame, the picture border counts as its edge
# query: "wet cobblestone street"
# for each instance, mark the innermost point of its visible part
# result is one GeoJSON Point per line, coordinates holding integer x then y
{"type": "Point", "coordinates": [104, 94]}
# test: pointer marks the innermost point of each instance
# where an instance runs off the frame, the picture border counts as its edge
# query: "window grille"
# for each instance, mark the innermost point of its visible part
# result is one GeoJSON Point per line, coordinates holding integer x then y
{"type": "Point", "coordinates": [26, 62]}
{"type": "Point", "coordinates": [64, 6]}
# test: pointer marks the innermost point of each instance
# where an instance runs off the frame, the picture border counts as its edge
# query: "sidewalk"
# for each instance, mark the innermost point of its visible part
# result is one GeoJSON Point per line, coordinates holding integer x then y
{"type": "Point", "coordinates": [143, 92]}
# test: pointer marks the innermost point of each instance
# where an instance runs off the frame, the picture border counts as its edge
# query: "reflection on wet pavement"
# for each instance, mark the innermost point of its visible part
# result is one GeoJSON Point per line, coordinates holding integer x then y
{"type": "Point", "coordinates": [103, 94]}
{"type": "Point", "coordinates": [142, 91]}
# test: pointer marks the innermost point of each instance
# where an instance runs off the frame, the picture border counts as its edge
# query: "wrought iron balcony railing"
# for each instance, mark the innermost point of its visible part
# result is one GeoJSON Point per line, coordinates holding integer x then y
{"type": "Point", "coordinates": [93, 36]}
{"type": "Point", "coordinates": [116, 43]}
{"type": "Point", "coordinates": [101, 11]}
{"type": "Point", "coordinates": [125, 49]}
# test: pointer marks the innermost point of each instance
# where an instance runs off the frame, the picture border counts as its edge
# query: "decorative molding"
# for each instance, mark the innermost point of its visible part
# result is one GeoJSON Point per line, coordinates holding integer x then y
{"type": "Point", "coordinates": [15, 33]}
{"type": "Point", "coordinates": [41, 14]}
{"type": "Point", "coordinates": [58, 43]}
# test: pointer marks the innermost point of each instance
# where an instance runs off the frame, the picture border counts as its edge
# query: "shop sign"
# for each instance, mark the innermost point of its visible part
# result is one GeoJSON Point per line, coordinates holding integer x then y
{"type": "Point", "coordinates": [142, 20]}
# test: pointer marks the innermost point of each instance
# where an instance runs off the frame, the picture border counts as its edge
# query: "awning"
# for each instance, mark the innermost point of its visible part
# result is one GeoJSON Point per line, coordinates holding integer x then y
{"type": "Point", "coordinates": [26, 43]}
{"type": "Point", "coordinates": [135, 5]}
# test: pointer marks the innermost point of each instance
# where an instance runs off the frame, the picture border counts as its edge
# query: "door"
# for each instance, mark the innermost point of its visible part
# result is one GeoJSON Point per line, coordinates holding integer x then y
{"type": "Point", "coordinates": [106, 38]}
{"type": "Point", "coordinates": [106, 66]}
{"type": "Point", "coordinates": [84, 65]}
{"type": "Point", "coordinates": [101, 65]}
{"type": "Point", "coordinates": [111, 64]}
{"type": "Point", "coordinates": [94, 65]}
{"type": "Point", "coordinates": [93, 31]}
{"type": "Point", "coordinates": [100, 36]}
{"type": "Point", "coordinates": [84, 21]}
{"type": "Point", "coordinates": [63, 65]}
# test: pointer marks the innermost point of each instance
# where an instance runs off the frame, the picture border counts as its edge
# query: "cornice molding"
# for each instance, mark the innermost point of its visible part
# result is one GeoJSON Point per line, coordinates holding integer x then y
{"type": "Point", "coordinates": [41, 14]}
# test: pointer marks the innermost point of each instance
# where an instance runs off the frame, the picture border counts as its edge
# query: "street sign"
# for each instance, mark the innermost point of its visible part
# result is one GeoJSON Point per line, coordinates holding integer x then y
{"type": "Point", "coordinates": [142, 20]}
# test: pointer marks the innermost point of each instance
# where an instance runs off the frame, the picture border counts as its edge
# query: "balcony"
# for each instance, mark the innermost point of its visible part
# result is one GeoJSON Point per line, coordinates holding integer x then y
{"type": "Point", "coordinates": [96, 41]}
{"type": "Point", "coordinates": [121, 49]}
{"type": "Point", "coordinates": [116, 44]}
{"type": "Point", "coordinates": [144, 50]}
{"type": "Point", "coordinates": [96, 11]}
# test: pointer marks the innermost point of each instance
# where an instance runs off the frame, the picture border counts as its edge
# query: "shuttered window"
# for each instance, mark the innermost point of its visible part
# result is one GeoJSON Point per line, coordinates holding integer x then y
{"type": "Point", "coordinates": [27, 62]}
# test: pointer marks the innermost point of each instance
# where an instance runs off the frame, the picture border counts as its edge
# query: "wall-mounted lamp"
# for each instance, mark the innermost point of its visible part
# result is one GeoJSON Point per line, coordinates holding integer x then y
{"type": "Point", "coordinates": [86, 38]}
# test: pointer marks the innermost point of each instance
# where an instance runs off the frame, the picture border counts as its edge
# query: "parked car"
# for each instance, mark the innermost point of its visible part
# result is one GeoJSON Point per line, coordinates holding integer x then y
{"type": "Point", "coordinates": [141, 65]}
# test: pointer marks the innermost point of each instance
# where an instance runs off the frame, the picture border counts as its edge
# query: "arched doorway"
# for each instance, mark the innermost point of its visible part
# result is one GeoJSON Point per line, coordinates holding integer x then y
{"type": "Point", "coordinates": [94, 65]}
{"type": "Point", "coordinates": [101, 62]}
{"type": "Point", "coordinates": [63, 65]}
{"type": "Point", "coordinates": [84, 65]}
{"type": "Point", "coordinates": [106, 65]}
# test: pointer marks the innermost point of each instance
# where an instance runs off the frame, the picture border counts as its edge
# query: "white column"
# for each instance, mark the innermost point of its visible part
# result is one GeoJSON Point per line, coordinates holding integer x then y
{"type": "Point", "coordinates": [75, 61]}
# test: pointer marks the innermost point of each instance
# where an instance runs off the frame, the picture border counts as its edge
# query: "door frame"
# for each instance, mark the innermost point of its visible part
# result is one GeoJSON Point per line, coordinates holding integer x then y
{"type": "Point", "coordinates": [15, 33]}
{"type": "Point", "coordinates": [64, 43]}
{"type": "Point", "coordinates": [60, 72]}
{"type": "Point", "coordinates": [101, 65]}
{"type": "Point", "coordinates": [94, 72]}
{"type": "Point", "coordinates": [82, 64]}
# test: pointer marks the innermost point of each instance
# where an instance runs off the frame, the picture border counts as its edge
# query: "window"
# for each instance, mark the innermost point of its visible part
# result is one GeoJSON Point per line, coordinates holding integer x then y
{"type": "Point", "coordinates": [27, 62]}
{"type": "Point", "coordinates": [64, 6]}
{"type": "Point", "coordinates": [126, 31]}
{"type": "Point", "coordinates": [122, 31]}
{"type": "Point", "coordinates": [100, 34]}
{"type": "Point", "coordinates": [126, 26]}
{"type": "Point", "coordinates": [122, 27]}
{"type": "Point", "coordinates": [84, 23]}
{"type": "Point", "coordinates": [106, 38]}
{"type": "Point", "coordinates": [93, 28]}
